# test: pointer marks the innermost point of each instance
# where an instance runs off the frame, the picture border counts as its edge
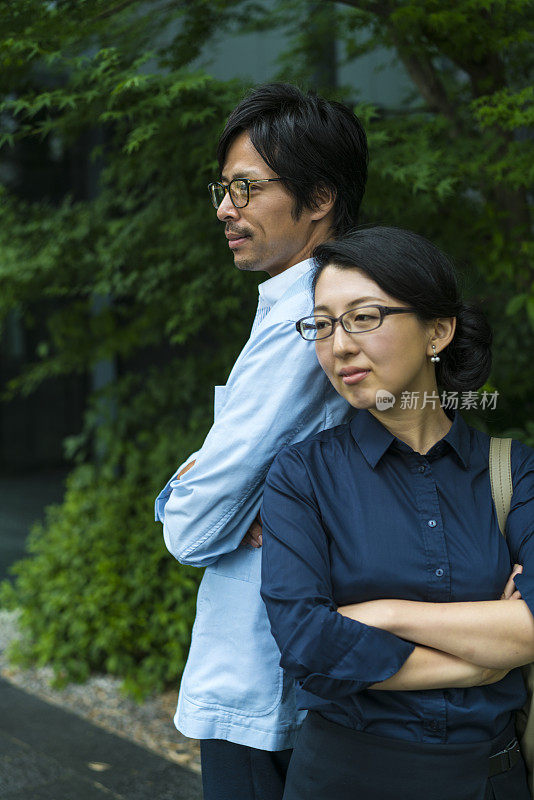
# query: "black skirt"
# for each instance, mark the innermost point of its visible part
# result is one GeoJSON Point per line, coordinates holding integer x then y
{"type": "Point", "coordinates": [332, 762]}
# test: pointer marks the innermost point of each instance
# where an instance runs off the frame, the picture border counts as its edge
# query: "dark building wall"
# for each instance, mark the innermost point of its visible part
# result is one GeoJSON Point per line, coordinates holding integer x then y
{"type": "Point", "coordinates": [32, 429]}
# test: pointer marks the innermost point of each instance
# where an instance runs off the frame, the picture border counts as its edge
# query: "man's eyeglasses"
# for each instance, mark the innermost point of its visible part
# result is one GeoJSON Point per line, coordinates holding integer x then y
{"type": "Point", "coordinates": [239, 190]}
{"type": "Point", "coordinates": [357, 320]}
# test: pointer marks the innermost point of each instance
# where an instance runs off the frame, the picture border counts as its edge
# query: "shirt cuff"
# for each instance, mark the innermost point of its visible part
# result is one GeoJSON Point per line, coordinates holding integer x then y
{"type": "Point", "coordinates": [163, 496]}
{"type": "Point", "coordinates": [375, 656]}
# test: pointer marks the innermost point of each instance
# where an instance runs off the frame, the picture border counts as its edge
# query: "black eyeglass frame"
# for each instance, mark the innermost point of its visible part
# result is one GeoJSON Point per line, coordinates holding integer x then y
{"type": "Point", "coordinates": [246, 181]}
{"type": "Point", "coordinates": [385, 311]}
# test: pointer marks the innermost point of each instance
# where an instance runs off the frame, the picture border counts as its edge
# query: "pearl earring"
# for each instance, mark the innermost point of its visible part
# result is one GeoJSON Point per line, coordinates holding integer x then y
{"type": "Point", "coordinates": [435, 358]}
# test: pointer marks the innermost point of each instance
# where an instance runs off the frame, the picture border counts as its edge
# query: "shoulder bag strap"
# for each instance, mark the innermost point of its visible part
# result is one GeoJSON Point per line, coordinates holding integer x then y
{"type": "Point", "coordinates": [501, 490]}
{"type": "Point", "coordinates": [500, 470]}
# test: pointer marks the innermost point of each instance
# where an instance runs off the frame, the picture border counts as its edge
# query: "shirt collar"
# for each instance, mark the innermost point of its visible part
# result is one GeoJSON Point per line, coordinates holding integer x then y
{"type": "Point", "coordinates": [370, 436]}
{"type": "Point", "coordinates": [459, 439]}
{"type": "Point", "coordinates": [373, 439]}
{"type": "Point", "coordinates": [272, 289]}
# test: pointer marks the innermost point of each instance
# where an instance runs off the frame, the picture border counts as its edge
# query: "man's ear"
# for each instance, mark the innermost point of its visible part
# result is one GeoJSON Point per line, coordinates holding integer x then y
{"type": "Point", "coordinates": [324, 201]}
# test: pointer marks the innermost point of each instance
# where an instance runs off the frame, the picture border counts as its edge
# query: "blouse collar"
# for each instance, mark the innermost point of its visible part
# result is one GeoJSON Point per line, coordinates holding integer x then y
{"type": "Point", "coordinates": [374, 439]}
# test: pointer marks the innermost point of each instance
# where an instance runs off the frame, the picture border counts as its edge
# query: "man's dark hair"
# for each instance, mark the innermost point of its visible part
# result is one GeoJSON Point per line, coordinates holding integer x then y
{"type": "Point", "coordinates": [313, 144]}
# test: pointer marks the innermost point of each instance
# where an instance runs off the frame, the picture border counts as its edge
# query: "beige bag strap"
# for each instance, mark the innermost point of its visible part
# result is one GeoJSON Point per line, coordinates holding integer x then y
{"type": "Point", "coordinates": [500, 470]}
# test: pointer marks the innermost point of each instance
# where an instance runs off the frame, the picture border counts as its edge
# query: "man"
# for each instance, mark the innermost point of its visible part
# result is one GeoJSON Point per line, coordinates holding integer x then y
{"type": "Point", "coordinates": [293, 172]}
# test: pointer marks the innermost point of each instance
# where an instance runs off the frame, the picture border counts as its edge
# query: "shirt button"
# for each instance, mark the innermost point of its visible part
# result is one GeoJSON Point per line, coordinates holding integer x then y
{"type": "Point", "coordinates": [439, 572]}
{"type": "Point", "coordinates": [432, 523]}
{"type": "Point", "coordinates": [434, 725]}
{"type": "Point", "coordinates": [422, 468]}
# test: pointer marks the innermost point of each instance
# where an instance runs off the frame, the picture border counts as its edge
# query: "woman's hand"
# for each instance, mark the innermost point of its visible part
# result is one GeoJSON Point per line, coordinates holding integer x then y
{"type": "Point", "coordinates": [492, 676]}
{"type": "Point", "coordinates": [510, 592]}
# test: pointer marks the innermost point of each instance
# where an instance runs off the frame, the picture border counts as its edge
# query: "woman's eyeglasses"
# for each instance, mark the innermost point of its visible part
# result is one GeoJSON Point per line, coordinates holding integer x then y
{"type": "Point", "coordinates": [357, 320]}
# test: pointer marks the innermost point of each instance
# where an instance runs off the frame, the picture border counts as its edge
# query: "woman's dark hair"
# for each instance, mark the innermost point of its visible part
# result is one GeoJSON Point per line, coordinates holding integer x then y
{"type": "Point", "coordinates": [413, 270]}
{"type": "Point", "coordinates": [313, 144]}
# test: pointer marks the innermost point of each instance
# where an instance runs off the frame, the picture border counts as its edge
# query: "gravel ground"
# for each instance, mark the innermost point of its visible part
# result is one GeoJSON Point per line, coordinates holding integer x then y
{"type": "Point", "coordinates": [101, 701]}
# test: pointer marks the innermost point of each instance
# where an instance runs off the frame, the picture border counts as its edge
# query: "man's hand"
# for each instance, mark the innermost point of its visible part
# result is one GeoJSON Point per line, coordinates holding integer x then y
{"type": "Point", "coordinates": [510, 592]}
{"type": "Point", "coordinates": [253, 536]}
{"type": "Point", "coordinates": [184, 470]}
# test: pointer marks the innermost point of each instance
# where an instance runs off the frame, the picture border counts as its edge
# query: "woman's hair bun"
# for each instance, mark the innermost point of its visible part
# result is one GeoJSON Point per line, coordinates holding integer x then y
{"type": "Point", "coordinates": [466, 363]}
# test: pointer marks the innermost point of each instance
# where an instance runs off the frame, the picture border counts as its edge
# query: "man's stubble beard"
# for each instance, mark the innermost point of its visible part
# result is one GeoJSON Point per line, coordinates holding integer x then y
{"type": "Point", "coordinates": [249, 264]}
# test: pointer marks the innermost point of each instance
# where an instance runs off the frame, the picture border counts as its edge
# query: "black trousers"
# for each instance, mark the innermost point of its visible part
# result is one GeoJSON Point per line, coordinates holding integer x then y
{"type": "Point", "coordinates": [236, 772]}
{"type": "Point", "coordinates": [332, 762]}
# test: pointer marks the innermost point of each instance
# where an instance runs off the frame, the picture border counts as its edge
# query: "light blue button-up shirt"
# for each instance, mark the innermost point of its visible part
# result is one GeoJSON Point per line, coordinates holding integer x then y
{"type": "Point", "coordinates": [233, 687]}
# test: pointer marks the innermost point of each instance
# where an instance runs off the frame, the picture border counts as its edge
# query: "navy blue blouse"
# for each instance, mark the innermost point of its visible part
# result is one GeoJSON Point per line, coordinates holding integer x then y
{"type": "Point", "coordinates": [354, 514]}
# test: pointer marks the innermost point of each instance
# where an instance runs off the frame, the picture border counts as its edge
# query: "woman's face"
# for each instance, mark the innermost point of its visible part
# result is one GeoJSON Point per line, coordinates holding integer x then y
{"type": "Point", "coordinates": [393, 357]}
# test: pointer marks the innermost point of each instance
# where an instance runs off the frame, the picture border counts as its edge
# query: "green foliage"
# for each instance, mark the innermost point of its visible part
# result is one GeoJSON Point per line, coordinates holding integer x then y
{"type": "Point", "coordinates": [99, 593]}
{"type": "Point", "coordinates": [139, 266]}
{"type": "Point", "coordinates": [135, 270]}
{"type": "Point", "coordinates": [98, 590]}
{"type": "Point", "coordinates": [454, 160]}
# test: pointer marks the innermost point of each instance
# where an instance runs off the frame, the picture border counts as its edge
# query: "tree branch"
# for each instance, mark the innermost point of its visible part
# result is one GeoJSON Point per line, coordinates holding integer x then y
{"type": "Point", "coordinates": [110, 12]}
{"type": "Point", "coordinates": [419, 67]}
{"type": "Point", "coordinates": [423, 73]}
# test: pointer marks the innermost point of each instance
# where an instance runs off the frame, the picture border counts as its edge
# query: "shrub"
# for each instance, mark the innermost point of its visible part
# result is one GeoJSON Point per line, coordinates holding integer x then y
{"type": "Point", "coordinates": [99, 591]}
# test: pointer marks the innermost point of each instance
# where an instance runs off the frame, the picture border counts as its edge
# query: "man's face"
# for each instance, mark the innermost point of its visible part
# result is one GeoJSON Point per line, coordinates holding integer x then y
{"type": "Point", "coordinates": [265, 235]}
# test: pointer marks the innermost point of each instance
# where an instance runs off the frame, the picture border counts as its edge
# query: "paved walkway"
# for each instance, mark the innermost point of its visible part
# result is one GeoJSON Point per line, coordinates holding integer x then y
{"type": "Point", "coordinates": [47, 753]}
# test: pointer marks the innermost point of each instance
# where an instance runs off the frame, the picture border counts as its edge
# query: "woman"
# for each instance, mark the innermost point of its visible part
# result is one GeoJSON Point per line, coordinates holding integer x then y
{"type": "Point", "coordinates": [411, 697]}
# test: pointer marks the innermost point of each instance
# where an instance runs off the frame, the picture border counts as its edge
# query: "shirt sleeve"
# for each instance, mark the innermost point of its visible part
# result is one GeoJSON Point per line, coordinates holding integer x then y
{"type": "Point", "coordinates": [330, 655]}
{"type": "Point", "coordinates": [275, 391]}
{"type": "Point", "coordinates": [520, 522]}
{"type": "Point", "coordinates": [163, 496]}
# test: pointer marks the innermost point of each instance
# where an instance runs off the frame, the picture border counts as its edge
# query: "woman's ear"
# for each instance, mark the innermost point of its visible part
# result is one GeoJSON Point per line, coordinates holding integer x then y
{"type": "Point", "coordinates": [441, 334]}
